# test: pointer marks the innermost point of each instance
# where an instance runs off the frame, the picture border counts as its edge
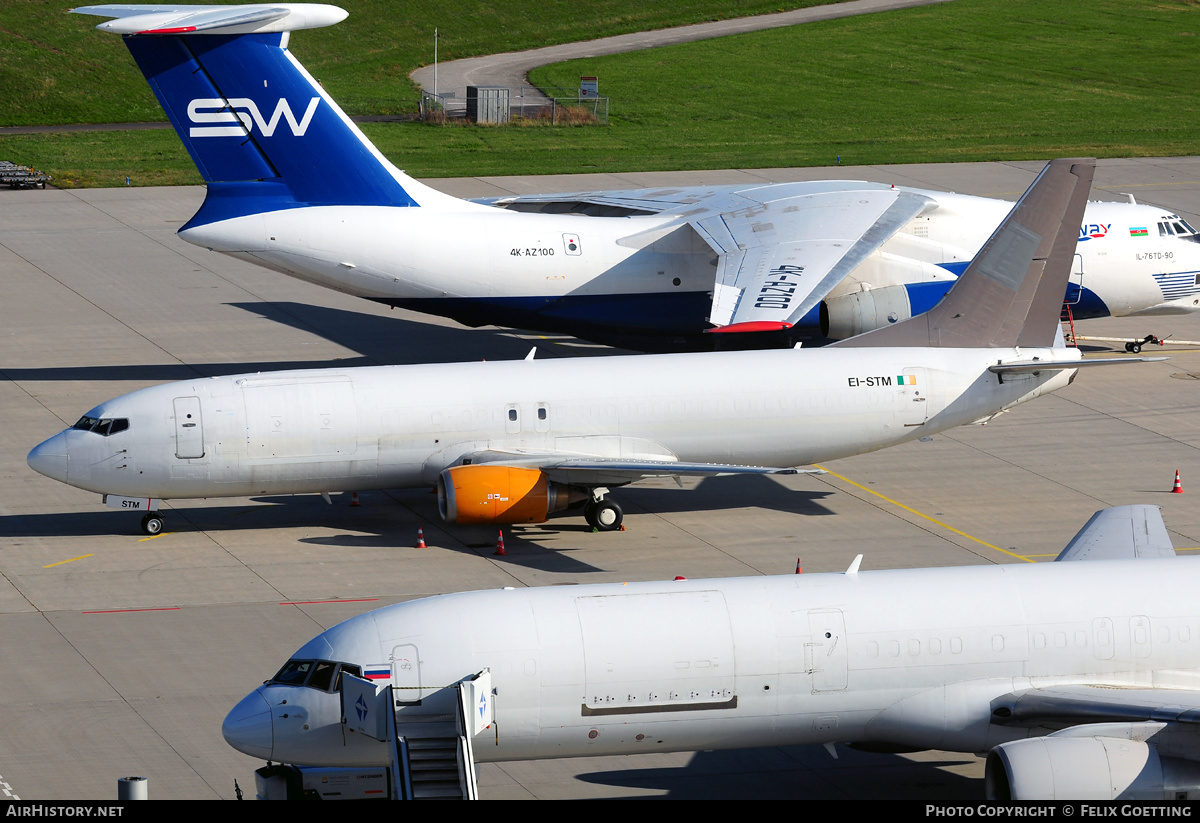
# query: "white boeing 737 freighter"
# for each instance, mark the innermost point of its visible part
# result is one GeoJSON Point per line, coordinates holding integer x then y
{"type": "Point", "coordinates": [295, 186]}
{"type": "Point", "coordinates": [514, 442]}
{"type": "Point", "coordinates": [1080, 679]}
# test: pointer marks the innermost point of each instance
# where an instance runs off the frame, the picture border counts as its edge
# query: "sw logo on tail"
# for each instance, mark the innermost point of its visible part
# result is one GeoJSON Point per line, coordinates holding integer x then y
{"type": "Point", "coordinates": [230, 112]}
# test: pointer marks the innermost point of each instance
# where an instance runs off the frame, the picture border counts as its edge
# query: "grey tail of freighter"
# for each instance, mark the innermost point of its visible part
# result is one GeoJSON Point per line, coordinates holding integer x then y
{"type": "Point", "coordinates": [1011, 294]}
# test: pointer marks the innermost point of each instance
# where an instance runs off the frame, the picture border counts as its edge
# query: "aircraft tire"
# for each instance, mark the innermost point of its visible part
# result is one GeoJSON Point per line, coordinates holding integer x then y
{"type": "Point", "coordinates": [1136, 348]}
{"type": "Point", "coordinates": [152, 523]}
{"type": "Point", "coordinates": [606, 516]}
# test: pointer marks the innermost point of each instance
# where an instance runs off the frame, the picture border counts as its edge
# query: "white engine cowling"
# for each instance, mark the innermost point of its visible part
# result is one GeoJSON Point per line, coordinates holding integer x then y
{"type": "Point", "coordinates": [873, 308]}
{"type": "Point", "coordinates": [863, 311]}
{"type": "Point", "coordinates": [1085, 768]}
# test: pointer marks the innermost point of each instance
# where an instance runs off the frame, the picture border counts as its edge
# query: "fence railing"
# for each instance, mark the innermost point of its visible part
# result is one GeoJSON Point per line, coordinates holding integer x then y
{"type": "Point", "coordinates": [554, 106]}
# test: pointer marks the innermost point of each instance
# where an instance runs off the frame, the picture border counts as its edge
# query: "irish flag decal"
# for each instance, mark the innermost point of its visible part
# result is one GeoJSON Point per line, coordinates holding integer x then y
{"type": "Point", "coordinates": [906, 379]}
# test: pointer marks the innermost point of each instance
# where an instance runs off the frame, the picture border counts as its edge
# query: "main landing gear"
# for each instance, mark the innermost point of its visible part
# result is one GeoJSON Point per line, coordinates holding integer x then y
{"type": "Point", "coordinates": [603, 515]}
{"type": "Point", "coordinates": [152, 523]}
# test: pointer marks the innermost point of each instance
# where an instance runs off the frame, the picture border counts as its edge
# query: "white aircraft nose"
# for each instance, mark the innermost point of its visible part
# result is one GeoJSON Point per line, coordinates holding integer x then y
{"type": "Point", "coordinates": [50, 458]}
{"type": "Point", "coordinates": [248, 727]}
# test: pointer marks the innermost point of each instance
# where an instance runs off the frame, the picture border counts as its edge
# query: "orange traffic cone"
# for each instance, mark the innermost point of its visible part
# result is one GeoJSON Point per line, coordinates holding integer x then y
{"type": "Point", "coordinates": [420, 538]}
{"type": "Point", "coordinates": [1178, 486]}
{"type": "Point", "coordinates": [798, 569]}
{"type": "Point", "coordinates": [500, 552]}
{"type": "Point", "coordinates": [354, 499]}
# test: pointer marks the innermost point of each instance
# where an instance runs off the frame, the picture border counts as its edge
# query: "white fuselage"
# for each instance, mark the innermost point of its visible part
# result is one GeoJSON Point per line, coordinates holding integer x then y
{"type": "Point", "coordinates": [400, 426]}
{"type": "Point", "coordinates": [909, 659]}
{"type": "Point", "coordinates": [580, 274]}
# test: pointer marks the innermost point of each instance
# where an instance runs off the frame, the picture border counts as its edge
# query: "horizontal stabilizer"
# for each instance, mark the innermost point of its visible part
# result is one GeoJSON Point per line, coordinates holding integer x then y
{"type": "Point", "coordinates": [1033, 366]}
{"type": "Point", "coordinates": [252, 19]}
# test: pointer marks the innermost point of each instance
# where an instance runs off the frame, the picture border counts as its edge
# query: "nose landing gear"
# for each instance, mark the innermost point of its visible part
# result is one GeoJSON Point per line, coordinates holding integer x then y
{"type": "Point", "coordinates": [152, 523]}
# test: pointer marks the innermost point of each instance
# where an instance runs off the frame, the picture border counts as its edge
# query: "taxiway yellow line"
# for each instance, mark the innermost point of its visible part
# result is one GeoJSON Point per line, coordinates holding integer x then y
{"type": "Point", "coordinates": [72, 560]}
{"type": "Point", "coordinates": [911, 510]}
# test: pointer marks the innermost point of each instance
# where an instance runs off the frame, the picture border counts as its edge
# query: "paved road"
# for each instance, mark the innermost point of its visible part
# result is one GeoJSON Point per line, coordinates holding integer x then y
{"type": "Point", "coordinates": [122, 654]}
{"type": "Point", "coordinates": [511, 69]}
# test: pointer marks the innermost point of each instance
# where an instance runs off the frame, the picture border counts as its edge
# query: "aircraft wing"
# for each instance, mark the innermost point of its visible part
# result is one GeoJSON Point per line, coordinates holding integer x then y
{"type": "Point", "coordinates": [779, 258]}
{"type": "Point", "coordinates": [590, 470]}
{"type": "Point", "coordinates": [781, 248]}
{"type": "Point", "coordinates": [1121, 533]}
{"type": "Point", "coordinates": [1076, 704]}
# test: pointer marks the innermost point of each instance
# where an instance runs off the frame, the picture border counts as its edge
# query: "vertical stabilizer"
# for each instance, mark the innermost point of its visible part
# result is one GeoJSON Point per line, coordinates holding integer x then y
{"type": "Point", "coordinates": [1011, 294]}
{"type": "Point", "coordinates": [262, 132]}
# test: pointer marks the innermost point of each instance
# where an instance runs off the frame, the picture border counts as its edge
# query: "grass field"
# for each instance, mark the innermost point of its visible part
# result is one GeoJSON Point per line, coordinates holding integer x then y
{"type": "Point", "coordinates": [968, 80]}
{"type": "Point", "coordinates": [55, 68]}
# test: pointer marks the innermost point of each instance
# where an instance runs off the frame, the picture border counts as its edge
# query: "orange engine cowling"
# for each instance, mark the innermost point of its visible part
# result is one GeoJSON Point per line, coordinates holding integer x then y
{"type": "Point", "coordinates": [500, 494]}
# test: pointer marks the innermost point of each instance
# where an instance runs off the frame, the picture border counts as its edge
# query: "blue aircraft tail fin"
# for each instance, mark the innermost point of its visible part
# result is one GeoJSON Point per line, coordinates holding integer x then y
{"type": "Point", "coordinates": [248, 112]}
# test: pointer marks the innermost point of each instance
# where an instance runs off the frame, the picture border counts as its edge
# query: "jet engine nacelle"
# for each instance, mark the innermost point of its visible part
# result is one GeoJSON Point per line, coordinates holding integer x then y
{"type": "Point", "coordinates": [1085, 768]}
{"type": "Point", "coordinates": [500, 494]}
{"type": "Point", "coordinates": [864, 311]}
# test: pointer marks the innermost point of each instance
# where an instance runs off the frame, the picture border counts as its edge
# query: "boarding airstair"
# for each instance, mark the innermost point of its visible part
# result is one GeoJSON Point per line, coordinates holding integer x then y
{"type": "Point", "coordinates": [429, 731]}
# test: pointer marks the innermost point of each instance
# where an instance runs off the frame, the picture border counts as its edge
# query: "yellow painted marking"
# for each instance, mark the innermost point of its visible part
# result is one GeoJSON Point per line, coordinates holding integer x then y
{"type": "Point", "coordinates": [911, 510]}
{"type": "Point", "coordinates": [154, 536]}
{"type": "Point", "coordinates": [72, 560]}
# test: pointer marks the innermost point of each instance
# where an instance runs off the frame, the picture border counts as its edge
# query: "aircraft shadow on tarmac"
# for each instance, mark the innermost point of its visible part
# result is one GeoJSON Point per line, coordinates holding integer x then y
{"type": "Point", "coordinates": [394, 339]}
{"type": "Point", "coordinates": [390, 519]}
{"type": "Point", "coordinates": [799, 772]}
{"type": "Point", "coordinates": [380, 340]}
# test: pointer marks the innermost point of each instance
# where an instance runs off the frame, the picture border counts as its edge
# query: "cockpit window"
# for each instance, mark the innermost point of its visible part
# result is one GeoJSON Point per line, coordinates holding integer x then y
{"type": "Point", "coordinates": [293, 673]}
{"type": "Point", "coordinates": [323, 675]}
{"type": "Point", "coordinates": [102, 426]}
{"type": "Point", "coordinates": [1176, 227]}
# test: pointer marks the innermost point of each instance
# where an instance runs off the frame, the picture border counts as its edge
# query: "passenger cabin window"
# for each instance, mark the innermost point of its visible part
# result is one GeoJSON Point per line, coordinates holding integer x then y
{"type": "Point", "coordinates": [102, 426]}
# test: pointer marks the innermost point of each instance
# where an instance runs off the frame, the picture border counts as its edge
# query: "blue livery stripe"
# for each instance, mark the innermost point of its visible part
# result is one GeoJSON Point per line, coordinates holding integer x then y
{"type": "Point", "coordinates": [1178, 284]}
